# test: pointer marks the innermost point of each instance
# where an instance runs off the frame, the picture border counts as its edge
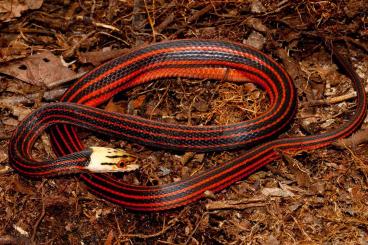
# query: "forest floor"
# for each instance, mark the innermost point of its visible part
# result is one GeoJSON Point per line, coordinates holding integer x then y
{"type": "Point", "coordinates": [312, 197]}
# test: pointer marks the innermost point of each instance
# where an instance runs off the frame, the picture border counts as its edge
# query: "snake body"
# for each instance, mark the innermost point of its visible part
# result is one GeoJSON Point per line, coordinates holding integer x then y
{"type": "Point", "coordinates": [182, 58]}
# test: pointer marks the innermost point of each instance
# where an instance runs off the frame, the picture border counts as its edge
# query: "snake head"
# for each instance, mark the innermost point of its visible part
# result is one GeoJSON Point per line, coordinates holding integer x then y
{"type": "Point", "coordinates": [104, 159]}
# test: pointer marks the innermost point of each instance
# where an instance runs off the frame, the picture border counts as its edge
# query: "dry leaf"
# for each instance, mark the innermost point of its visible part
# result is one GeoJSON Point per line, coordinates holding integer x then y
{"type": "Point", "coordinates": [3, 155]}
{"type": "Point", "coordinates": [19, 187]}
{"type": "Point", "coordinates": [98, 57]}
{"type": "Point", "coordinates": [277, 192]}
{"type": "Point", "coordinates": [257, 7]}
{"type": "Point", "coordinates": [40, 69]}
{"type": "Point", "coordinates": [115, 107]}
{"type": "Point", "coordinates": [10, 9]}
{"type": "Point", "coordinates": [20, 111]}
{"type": "Point", "coordinates": [10, 53]}
{"type": "Point", "coordinates": [57, 200]}
{"type": "Point", "coordinates": [256, 40]}
{"type": "Point", "coordinates": [138, 102]}
{"type": "Point", "coordinates": [256, 24]}
{"type": "Point", "coordinates": [357, 138]}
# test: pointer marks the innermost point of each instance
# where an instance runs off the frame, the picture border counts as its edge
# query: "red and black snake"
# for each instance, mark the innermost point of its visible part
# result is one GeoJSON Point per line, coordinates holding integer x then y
{"type": "Point", "coordinates": [182, 58]}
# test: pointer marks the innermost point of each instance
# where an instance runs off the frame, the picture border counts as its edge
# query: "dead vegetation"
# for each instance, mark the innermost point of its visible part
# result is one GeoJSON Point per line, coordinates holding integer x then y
{"type": "Point", "coordinates": [310, 198]}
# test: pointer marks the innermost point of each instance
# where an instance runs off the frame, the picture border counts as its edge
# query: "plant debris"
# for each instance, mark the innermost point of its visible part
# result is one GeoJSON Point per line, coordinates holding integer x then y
{"type": "Point", "coordinates": [41, 69]}
{"type": "Point", "coordinates": [312, 197]}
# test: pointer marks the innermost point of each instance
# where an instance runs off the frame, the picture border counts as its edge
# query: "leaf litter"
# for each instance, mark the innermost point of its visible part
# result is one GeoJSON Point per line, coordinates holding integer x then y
{"type": "Point", "coordinates": [312, 197]}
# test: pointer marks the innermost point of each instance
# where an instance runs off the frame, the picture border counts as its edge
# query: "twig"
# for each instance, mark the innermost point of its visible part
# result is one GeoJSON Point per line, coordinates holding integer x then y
{"type": "Point", "coordinates": [35, 227]}
{"type": "Point", "coordinates": [151, 20]}
{"type": "Point", "coordinates": [138, 14]}
{"type": "Point", "coordinates": [168, 20]}
{"type": "Point", "coordinates": [118, 226]}
{"type": "Point", "coordinates": [106, 26]}
{"type": "Point", "coordinates": [281, 5]}
{"type": "Point", "coordinates": [113, 36]}
{"type": "Point", "coordinates": [301, 229]}
{"type": "Point", "coordinates": [236, 204]}
{"type": "Point", "coordinates": [195, 228]}
{"type": "Point", "coordinates": [30, 99]}
{"type": "Point", "coordinates": [162, 231]}
{"type": "Point", "coordinates": [355, 42]}
{"type": "Point", "coordinates": [161, 99]}
{"type": "Point", "coordinates": [333, 100]}
{"type": "Point", "coordinates": [200, 13]}
{"type": "Point", "coordinates": [57, 83]}
{"type": "Point", "coordinates": [76, 46]}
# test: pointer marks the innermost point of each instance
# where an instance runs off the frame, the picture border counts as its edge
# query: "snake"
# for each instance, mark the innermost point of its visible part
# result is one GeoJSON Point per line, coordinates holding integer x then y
{"type": "Point", "coordinates": [192, 59]}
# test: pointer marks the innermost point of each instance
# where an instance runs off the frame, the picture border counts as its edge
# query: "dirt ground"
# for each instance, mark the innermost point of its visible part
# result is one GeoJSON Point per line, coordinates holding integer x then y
{"type": "Point", "coordinates": [313, 197]}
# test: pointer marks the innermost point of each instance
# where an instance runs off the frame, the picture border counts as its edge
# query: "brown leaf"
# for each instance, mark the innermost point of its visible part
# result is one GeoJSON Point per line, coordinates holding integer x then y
{"type": "Point", "coordinates": [300, 173]}
{"type": "Point", "coordinates": [10, 53]}
{"type": "Point", "coordinates": [3, 155]}
{"type": "Point", "coordinates": [277, 192]}
{"type": "Point", "coordinates": [138, 102]}
{"type": "Point", "coordinates": [20, 111]}
{"type": "Point", "coordinates": [256, 24]}
{"type": "Point", "coordinates": [99, 57]}
{"type": "Point", "coordinates": [56, 200]}
{"type": "Point", "coordinates": [40, 69]}
{"type": "Point", "coordinates": [256, 40]}
{"type": "Point", "coordinates": [357, 138]}
{"type": "Point", "coordinates": [201, 105]}
{"type": "Point", "coordinates": [115, 107]}
{"type": "Point", "coordinates": [19, 187]}
{"type": "Point", "coordinates": [13, 8]}
{"type": "Point", "coordinates": [291, 65]}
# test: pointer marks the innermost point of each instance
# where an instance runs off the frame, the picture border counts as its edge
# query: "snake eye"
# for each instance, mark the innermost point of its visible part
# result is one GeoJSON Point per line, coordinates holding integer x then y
{"type": "Point", "coordinates": [125, 160]}
{"type": "Point", "coordinates": [121, 164]}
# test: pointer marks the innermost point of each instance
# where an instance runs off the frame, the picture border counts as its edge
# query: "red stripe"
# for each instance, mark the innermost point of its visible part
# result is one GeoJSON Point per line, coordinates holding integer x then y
{"type": "Point", "coordinates": [23, 140]}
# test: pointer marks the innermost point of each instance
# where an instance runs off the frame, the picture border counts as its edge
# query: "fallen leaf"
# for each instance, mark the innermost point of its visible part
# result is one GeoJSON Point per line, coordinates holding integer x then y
{"type": "Point", "coordinates": [300, 173]}
{"type": "Point", "coordinates": [57, 200]}
{"type": "Point", "coordinates": [21, 112]}
{"type": "Point", "coordinates": [10, 121]}
{"type": "Point", "coordinates": [11, 53]}
{"type": "Point", "coordinates": [276, 192]}
{"type": "Point", "coordinates": [19, 187]}
{"type": "Point", "coordinates": [201, 105]}
{"type": "Point", "coordinates": [257, 7]}
{"type": "Point", "coordinates": [40, 69]}
{"type": "Point", "coordinates": [3, 155]}
{"type": "Point", "coordinates": [256, 40]}
{"type": "Point", "coordinates": [138, 102]}
{"type": "Point", "coordinates": [98, 57]}
{"type": "Point", "coordinates": [256, 24]}
{"type": "Point", "coordinates": [115, 107]}
{"type": "Point", "coordinates": [10, 9]}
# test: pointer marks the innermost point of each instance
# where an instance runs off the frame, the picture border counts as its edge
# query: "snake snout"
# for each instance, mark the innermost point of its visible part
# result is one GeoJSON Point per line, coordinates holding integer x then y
{"type": "Point", "coordinates": [103, 160]}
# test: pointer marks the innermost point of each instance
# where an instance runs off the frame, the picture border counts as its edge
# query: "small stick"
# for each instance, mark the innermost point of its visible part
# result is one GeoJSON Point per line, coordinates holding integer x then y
{"type": "Point", "coordinates": [57, 83]}
{"type": "Point", "coordinates": [200, 13]}
{"type": "Point", "coordinates": [236, 204]}
{"type": "Point", "coordinates": [40, 218]}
